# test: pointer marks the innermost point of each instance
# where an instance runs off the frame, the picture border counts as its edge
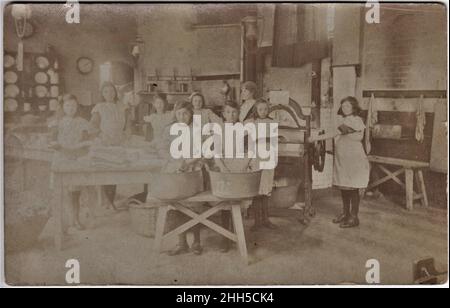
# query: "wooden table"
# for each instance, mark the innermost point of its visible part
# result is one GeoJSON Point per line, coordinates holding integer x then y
{"type": "Point", "coordinates": [26, 154]}
{"type": "Point", "coordinates": [202, 218]}
{"type": "Point", "coordinates": [67, 173]}
{"type": "Point", "coordinates": [412, 170]}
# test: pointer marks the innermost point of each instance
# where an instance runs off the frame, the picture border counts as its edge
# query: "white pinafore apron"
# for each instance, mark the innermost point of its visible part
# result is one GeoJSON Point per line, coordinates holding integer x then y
{"type": "Point", "coordinates": [351, 166]}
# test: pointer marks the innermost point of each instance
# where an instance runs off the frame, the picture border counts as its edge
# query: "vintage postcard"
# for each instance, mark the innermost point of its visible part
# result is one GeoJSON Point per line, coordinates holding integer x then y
{"type": "Point", "coordinates": [211, 144]}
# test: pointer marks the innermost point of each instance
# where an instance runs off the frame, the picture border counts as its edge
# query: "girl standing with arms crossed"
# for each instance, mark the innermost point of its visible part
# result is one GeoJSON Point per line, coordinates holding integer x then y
{"type": "Point", "coordinates": [351, 166]}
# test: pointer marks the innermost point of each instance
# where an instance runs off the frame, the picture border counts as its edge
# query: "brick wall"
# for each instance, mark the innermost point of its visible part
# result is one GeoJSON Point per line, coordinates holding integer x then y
{"type": "Point", "coordinates": [407, 49]}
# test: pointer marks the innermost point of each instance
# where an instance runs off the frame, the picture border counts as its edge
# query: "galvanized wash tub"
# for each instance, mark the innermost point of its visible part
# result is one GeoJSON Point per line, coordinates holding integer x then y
{"type": "Point", "coordinates": [235, 185]}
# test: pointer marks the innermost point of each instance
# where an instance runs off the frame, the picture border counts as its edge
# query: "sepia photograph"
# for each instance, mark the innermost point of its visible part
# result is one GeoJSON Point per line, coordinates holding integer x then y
{"type": "Point", "coordinates": [224, 144]}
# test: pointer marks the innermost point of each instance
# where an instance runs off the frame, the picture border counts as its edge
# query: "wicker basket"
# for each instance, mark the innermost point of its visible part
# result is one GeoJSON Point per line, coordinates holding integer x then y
{"type": "Point", "coordinates": [235, 185]}
{"type": "Point", "coordinates": [143, 218]}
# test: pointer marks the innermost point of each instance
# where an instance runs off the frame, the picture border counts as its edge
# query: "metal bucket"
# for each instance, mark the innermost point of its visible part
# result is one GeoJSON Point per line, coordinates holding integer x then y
{"type": "Point", "coordinates": [177, 186]}
{"type": "Point", "coordinates": [284, 197]}
{"type": "Point", "coordinates": [235, 185]}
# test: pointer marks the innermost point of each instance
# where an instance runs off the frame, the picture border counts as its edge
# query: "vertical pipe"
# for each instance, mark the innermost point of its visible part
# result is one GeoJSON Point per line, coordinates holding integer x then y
{"type": "Point", "coordinates": [242, 77]}
{"type": "Point", "coordinates": [250, 61]}
{"type": "Point", "coordinates": [316, 91]}
{"type": "Point", "coordinates": [307, 172]}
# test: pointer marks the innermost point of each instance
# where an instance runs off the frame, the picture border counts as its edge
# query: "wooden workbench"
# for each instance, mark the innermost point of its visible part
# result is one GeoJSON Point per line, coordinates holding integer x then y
{"type": "Point", "coordinates": [217, 205]}
{"type": "Point", "coordinates": [412, 170]}
{"type": "Point", "coordinates": [67, 173]}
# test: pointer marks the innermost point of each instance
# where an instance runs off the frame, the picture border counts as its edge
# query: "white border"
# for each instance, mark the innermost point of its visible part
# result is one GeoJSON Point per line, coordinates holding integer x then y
{"type": "Point", "coordinates": [2, 268]}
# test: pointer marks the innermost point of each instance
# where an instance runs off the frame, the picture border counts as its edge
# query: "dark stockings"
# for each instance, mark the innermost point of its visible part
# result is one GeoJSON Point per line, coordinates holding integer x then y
{"type": "Point", "coordinates": [350, 200]}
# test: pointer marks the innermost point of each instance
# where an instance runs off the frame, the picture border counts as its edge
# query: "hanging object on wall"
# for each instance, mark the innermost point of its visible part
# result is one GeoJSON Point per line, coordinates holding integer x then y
{"type": "Point", "coordinates": [42, 62]}
{"type": "Point", "coordinates": [40, 91]}
{"type": "Point", "coordinates": [10, 77]}
{"type": "Point", "coordinates": [8, 61]}
{"type": "Point", "coordinates": [11, 90]}
{"type": "Point", "coordinates": [11, 104]}
{"type": "Point", "coordinates": [420, 123]}
{"type": "Point", "coordinates": [21, 13]}
{"type": "Point", "coordinates": [41, 77]}
{"type": "Point", "coordinates": [85, 65]}
{"type": "Point", "coordinates": [136, 48]}
{"type": "Point", "coordinates": [250, 34]}
{"type": "Point", "coordinates": [372, 119]}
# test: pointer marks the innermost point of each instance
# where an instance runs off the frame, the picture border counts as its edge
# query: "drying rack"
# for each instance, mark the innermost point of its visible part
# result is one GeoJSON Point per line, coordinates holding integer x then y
{"type": "Point", "coordinates": [412, 169]}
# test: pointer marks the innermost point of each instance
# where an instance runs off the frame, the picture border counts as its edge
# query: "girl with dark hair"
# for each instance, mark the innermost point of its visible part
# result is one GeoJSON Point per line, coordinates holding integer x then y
{"type": "Point", "coordinates": [248, 96]}
{"type": "Point", "coordinates": [198, 106]}
{"type": "Point", "coordinates": [183, 114]}
{"type": "Point", "coordinates": [159, 119]}
{"type": "Point", "coordinates": [351, 166]}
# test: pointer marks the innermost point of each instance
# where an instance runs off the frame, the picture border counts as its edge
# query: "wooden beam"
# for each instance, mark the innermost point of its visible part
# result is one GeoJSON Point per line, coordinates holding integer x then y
{"type": "Point", "coordinates": [405, 93]}
{"type": "Point", "coordinates": [398, 162]}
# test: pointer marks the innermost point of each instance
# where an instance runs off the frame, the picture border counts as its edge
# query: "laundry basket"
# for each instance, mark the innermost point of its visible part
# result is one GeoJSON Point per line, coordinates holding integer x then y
{"type": "Point", "coordinates": [176, 186]}
{"type": "Point", "coordinates": [143, 218]}
{"type": "Point", "coordinates": [235, 185]}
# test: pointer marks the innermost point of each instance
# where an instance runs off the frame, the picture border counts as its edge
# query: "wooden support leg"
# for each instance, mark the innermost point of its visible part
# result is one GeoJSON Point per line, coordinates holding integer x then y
{"type": "Point", "coordinates": [308, 180]}
{"type": "Point", "coordinates": [307, 167]}
{"type": "Point", "coordinates": [24, 175]}
{"type": "Point", "coordinates": [422, 187]}
{"type": "Point", "coordinates": [58, 205]}
{"type": "Point", "coordinates": [91, 197]}
{"type": "Point", "coordinates": [409, 184]}
{"type": "Point", "coordinates": [99, 197]}
{"type": "Point", "coordinates": [160, 226]}
{"type": "Point", "coordinates": [239, 229]}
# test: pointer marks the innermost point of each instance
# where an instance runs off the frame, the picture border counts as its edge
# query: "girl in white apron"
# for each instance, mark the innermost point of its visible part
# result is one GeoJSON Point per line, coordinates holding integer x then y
{"type": "Point", "coordinates": [110, 119]}
{"type": "Point", "coordinates": [183, 114]}
{"type": "Point", "coordinates": [260, 205]}
{"type": "Point", "coordinates": [351, 166]}
{"type": "Point", "coordinates": [230, 114]}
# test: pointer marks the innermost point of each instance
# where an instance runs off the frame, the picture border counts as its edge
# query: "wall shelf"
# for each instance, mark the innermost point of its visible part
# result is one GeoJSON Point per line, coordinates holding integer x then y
{"type": "Point", "coordinates": [166, 93]}
{"type": "Point", "coordinates": [405, 93]}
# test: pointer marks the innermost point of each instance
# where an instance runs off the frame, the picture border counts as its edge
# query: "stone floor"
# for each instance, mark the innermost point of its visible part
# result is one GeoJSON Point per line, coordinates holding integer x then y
{"type": "Point", "coordinates": [321, 253]}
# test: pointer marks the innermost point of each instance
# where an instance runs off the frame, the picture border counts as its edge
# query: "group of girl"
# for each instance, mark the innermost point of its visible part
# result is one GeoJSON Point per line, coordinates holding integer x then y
{"type": "Point", "coordinates": [71, 136]}
{"type": "Point", "coordinates": [110, 124]}
{"type": "Point", "coordinates": [256, 110]}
